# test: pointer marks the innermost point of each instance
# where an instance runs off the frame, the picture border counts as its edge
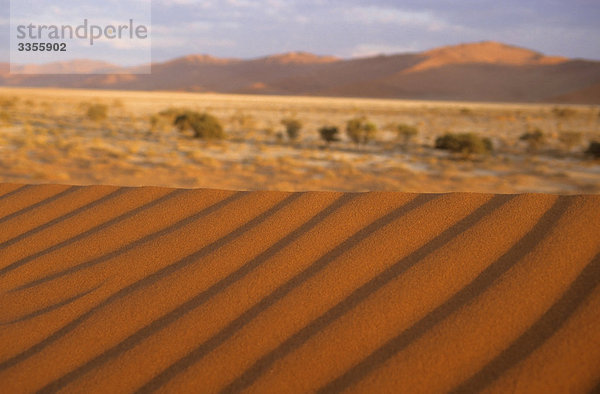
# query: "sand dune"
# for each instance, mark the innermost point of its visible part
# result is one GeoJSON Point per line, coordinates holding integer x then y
{"type": "Point", "coordinates": [481, 71]}
{"type": "Point", "coordinates": [108, 289]}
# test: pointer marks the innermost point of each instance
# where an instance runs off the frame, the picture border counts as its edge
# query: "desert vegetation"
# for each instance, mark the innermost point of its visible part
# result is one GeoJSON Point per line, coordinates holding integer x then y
{"type": "Point", "coordinates": [594, 149]}
{"type": "Point", "coordinates": [535, 139]}
{"type": "Point", "coordinates": [203, 125]}
{"type": "Point", "coordinates": [292, 128]}
{"type": "Point", "coordinates": [466, 144]}
{"type": "Point", "coordinates": [329, 134]}
{"type": "Point", "coordinates": [96, 112]}
{"type": "Point", "coordinates": [406, 133]}
{"type": "Point", "coordinates": [278, 143]}
{"type": "Point", "coordinates": [360, 130]}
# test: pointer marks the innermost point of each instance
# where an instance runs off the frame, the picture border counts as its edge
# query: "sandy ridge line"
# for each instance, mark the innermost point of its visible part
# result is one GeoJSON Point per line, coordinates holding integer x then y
{"type": "Point", "coordinates": [207, 270]}
{"type": "Point", "coordinates": [198, 300]}
{"type": "Point", "coordinates": [51, 308]}
{"type": "Point", "coordinates": [116, 193]}
{"type": "Point", "coordinates": [127, 268]}
{"type": "Point", "coordinates": [6, 188]}
{"type": "Point", "coordinates": [130, 246]}
{"type": "Point", "coordinates": [224, 334]}
{"type": "Point", "coordinates": [88, 233]}
{"type": "Point", "coordinates": [461, 298]}
{"type": "Point", "coordinates": [39, 204]}
{"type": "Point", "coordinates": [424, 211]}
{"type": "Point", "coordinates": [274, 271]}
{"type": "Point", "coordinates": [543, 329]}
{"type": "Point", "coordinates": [575, 344]}
{"type": "Point", "coordinates": [154, 277]}
{"type": "Point", "coordinates": [80, 362]}
{"type": "Point", "coordinates": [17, 190]}
{"type": "Point", "coordinates": [457, 347]}
{"type": "Point", "coordinates": [253, 373]}
{"type": "Point", "coordinates": [400, 303]}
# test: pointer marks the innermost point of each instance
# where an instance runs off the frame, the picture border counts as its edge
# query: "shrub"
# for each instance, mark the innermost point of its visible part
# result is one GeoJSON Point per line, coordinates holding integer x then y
{"type": "Point", "coordinates": [292, 128]}
{"type": "Point", "coordinates": [535, 139]}
{"type": "Point", "coordinates": [97, 112]}
{"type": "Point", "coordinates": [465, 144]}
{"type": "Point", "coordinates": [203, 125]}
{"type": "Point", "coordinates": [406, 133]}
{"type": "Point", "coordinates": [329, 134]}
{"type": "Point", "coordinates": [360, 130]}
{"type": "Point", "coordinates": [594, 149]}
{"type": "Point", "coordinates": [165, 119]}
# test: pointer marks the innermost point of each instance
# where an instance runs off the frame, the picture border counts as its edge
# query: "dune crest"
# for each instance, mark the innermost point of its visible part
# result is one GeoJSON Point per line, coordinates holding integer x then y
{"type": "Point", "coordinates": [299, 58]}
{"type": "Point", "coordinates": [484, 71]}
{"type": "Point", "coordinates": [486, 52]}
{"type": "Point", "coordinates": [124, 289]}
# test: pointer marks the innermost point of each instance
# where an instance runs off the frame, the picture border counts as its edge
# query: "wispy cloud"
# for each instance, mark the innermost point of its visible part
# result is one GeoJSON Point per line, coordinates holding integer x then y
{"type": "Point", "coordinates": [384, 15]}
{"type": "Point", "coordinates": [252, 28]}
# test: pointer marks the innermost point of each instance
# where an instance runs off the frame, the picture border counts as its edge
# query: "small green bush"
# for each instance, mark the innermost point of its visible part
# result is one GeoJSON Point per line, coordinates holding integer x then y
{"type": "Point", "coordinates": [204, 126]}
{"type": "Point", "coordinates": [594, 149]}
{"type": "Point", "coordinates": [360, 130]}
{"type": "Point", "coordinates": [465, 144]}
{"type": "Point", "coordinates": [292, 128]}
{"type": "Point", "coordinates": [97, 112]}
{"type": "Point", "coordinates": [164, 120]}
{"type": "Point", "coordinates": [329, 134]}
{"type": "Point", "coordinates": [535, 139]}
{"type": "Point", "coordinates": [406, 133]}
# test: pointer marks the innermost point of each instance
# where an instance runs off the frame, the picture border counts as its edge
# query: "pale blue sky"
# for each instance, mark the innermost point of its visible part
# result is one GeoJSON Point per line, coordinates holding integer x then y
{"type": "Point", "coordinates": [351, 28]}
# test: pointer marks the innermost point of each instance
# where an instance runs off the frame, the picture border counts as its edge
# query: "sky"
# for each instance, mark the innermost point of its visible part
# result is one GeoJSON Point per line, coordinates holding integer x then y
{"type": "Point", "coordinates": [348, 28]}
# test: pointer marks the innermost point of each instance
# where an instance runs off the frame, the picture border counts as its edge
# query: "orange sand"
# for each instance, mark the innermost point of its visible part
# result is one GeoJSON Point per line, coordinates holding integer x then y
{"type": "Point", "coordinates": [108, 289]}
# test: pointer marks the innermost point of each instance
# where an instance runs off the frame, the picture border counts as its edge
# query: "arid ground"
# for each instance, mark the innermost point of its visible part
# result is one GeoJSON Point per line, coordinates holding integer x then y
{"type": "Point", "coordinates": [231, 288]}
{"type": "Point", "coordinates": [46, 136]}
{"type": "Point", "coordinates": [108, 289]}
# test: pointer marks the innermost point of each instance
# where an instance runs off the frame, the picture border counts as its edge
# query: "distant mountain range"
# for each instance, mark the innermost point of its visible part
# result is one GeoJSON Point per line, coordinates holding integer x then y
{"type": "Point", "coordinates": [484, 71]}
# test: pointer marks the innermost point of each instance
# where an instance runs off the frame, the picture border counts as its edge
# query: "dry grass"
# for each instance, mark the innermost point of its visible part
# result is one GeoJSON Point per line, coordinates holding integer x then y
{"type": "Point", "coordinates": [45, 136]}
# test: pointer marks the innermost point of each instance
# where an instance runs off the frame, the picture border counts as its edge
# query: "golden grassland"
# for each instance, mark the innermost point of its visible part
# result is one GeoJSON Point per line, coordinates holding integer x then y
{"type": "Point", "coordinates": [46, 137]}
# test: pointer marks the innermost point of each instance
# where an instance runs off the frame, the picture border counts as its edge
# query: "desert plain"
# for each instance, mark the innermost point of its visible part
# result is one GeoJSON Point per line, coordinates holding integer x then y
{"type": "Point", "coordinates": [46, 136]}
